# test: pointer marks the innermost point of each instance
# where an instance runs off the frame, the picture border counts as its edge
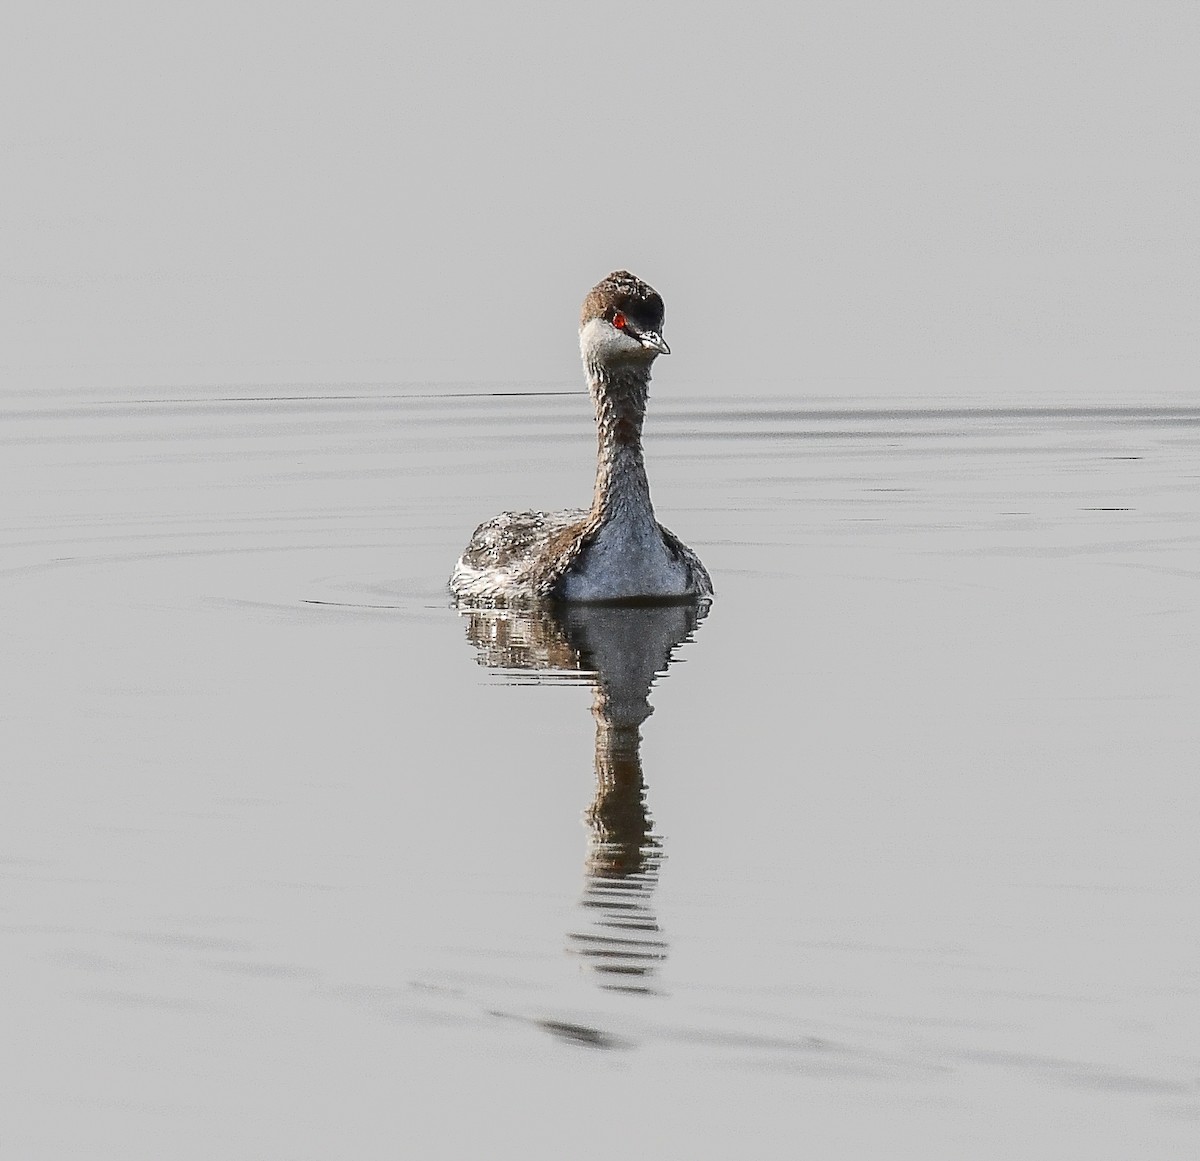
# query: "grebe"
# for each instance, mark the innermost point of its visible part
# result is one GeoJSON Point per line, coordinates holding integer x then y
{"type": "Point", "coordinates": [616, 550]}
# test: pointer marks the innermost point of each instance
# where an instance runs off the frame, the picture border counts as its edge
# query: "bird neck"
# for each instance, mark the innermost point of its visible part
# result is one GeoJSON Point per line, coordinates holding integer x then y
{"type": "Point", "coordinates": [622, 491]}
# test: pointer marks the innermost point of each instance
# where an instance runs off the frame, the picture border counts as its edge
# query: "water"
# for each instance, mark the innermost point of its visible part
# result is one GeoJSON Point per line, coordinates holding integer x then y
{"type": "Point", "coordinates": [300, 863]}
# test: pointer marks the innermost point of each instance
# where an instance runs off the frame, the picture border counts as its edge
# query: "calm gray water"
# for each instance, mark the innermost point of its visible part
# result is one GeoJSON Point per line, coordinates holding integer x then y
{"type": "Point", "coordinates": [298, 862]}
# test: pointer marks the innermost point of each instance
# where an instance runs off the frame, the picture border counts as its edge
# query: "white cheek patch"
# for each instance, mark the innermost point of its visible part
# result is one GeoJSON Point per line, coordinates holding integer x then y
{"type": "Point", "coordinates": [600, 342]}
{"type": "Point", "coordinates": [590, 336]}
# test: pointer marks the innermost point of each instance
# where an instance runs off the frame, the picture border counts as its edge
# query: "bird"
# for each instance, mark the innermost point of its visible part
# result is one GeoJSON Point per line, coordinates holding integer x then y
{"type": "Point", "coordinates": [616, 551]}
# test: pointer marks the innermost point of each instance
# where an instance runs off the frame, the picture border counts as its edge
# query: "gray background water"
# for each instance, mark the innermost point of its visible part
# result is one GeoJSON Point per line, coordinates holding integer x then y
{"type": "Point", "coordinates": [288, 873]}
{"type": "Point", "coordinates": [913, 194]}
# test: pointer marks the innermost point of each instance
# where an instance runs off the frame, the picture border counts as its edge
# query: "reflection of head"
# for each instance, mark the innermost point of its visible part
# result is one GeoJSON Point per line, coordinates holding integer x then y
{"type": "Point", "coordinates": [624, 648]}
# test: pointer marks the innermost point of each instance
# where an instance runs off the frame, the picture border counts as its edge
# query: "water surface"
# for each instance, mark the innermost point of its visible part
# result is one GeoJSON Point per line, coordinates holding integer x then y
{"type": "Point", "coordinates": [300, 862]}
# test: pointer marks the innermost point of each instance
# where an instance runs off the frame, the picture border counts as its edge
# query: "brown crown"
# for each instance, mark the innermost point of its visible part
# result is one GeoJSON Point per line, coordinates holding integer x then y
{"type": "Point", "coordinates": [624, 292]}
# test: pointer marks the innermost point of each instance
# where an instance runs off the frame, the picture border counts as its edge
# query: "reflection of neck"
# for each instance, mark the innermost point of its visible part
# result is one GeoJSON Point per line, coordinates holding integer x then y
{"type": "Point", "coordinates": [625, 948]}
{"type": "Point", "coordinates": [620, 826]}
{"type": "Point", "coordinates": [619, 395]}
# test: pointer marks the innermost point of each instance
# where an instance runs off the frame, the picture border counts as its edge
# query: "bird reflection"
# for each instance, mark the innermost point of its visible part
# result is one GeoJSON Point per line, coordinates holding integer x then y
{"type": "Point", "coordinates": [620, 650]}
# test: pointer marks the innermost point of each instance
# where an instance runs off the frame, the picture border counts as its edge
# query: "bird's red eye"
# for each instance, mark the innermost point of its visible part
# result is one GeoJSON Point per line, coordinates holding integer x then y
{"type": "Point", "coordinates": [619, 321]}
